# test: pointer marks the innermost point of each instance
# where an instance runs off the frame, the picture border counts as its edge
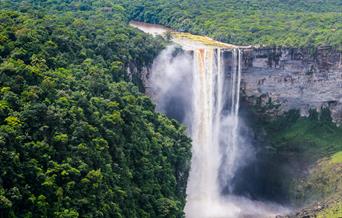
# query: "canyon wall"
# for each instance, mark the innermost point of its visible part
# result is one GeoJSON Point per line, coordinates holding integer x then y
{"type": "Point", "coordinates": [287, 78]}
{"type": "Point", "coordinates": [283, 79]}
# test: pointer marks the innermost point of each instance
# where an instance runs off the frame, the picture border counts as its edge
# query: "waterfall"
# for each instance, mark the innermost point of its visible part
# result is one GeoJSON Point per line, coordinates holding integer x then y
{"type": "Point", "coordinates": [214, 129]}
{"type": "Point", "coordinates": [231, 153]}
{"type": "Point", "coordinates": [197, 82]}
{"type": "Point", "coordinates": [201, 88]}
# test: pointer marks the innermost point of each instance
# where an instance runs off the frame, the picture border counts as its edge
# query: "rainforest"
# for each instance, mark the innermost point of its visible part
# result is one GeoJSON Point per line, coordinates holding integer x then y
{"type": "Point", "coordinates": [154, 108]}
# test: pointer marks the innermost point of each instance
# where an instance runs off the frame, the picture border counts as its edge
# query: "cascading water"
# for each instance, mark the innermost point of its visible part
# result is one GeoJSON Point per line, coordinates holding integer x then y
{"type": "Point", "coordinates": [214, 131]}
{"type": "Point", "coordinates": [231, 139]}
{"type": "Point", "coordinates": [201, 88]}
{"type": "Point", "coordinates": [203, 184]}
{"type": "Point", "coordinates": [199, 85]}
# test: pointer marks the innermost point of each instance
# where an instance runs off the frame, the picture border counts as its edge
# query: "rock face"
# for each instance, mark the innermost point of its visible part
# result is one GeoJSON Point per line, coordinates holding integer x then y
{"type": "Point", "coordinates": [294, 79]}
{"type": "Point", "coordinates": [288, 78]}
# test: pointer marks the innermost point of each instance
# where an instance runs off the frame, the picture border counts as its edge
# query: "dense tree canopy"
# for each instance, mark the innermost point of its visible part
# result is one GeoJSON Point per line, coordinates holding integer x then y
{"type": "Point", "coordinates": [248, 22]}
{"type": "Point", "coordinates": [76, 138]}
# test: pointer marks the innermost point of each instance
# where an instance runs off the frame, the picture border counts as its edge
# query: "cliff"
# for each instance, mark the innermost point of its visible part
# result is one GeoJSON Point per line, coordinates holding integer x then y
{"type": "Point", "coordinates": [278, 78]}
{"type": "Point", "coordinates": [292, 78]}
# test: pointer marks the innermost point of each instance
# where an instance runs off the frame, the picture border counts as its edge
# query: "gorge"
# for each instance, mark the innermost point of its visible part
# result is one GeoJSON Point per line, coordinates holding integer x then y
{"type": "Point", "coordinates": [201, 88]}
{"type": "Point", "coordinates": [199, 84]}
{"type": "Point", "coordinates": [100, 119]}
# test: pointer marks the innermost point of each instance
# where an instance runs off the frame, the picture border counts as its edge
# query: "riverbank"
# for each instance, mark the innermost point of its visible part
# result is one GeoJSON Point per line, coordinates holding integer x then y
{"type": "Point", "coordinates": [188, 41]}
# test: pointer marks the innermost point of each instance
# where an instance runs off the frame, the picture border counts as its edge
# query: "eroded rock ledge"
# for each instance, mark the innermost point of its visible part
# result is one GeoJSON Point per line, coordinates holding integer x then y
{"type": "Point", "coordinates": [290, 78]}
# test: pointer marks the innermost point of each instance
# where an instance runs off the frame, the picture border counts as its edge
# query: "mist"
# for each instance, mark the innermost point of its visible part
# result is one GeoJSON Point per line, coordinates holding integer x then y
{"type": "Point", "coordinates": [170, 83]}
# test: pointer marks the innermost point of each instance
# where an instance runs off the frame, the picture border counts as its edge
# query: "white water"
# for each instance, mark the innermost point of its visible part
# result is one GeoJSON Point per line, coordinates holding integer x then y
{"type": "Point", "coordinates": [201, 83]}
{"type": "Point", "coordinates": [215, 133]}
{"type": "Point", "coordinates": [231, 140]}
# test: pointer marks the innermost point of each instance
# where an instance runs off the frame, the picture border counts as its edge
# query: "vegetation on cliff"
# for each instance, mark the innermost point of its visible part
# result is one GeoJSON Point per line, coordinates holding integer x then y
{"type": "Point", "coordinates": [312, 147]}
{"type": "Point", "coordinates": [322, 185]}
{"type": "Point", "coordinates": [77, 139]}
{"type": "Point", "coordinates": [320, 189]}
{"type": "Point", "coordinates": [315, 136]}
{"type": "Point", "coordinates": [248, 22]}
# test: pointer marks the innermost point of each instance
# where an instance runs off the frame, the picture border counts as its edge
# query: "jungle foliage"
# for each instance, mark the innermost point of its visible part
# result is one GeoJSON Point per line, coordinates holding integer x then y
{"type": "Point", "coordinates": [76, 138]}
{"type": "Point", "coordinates": [295, 23]}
